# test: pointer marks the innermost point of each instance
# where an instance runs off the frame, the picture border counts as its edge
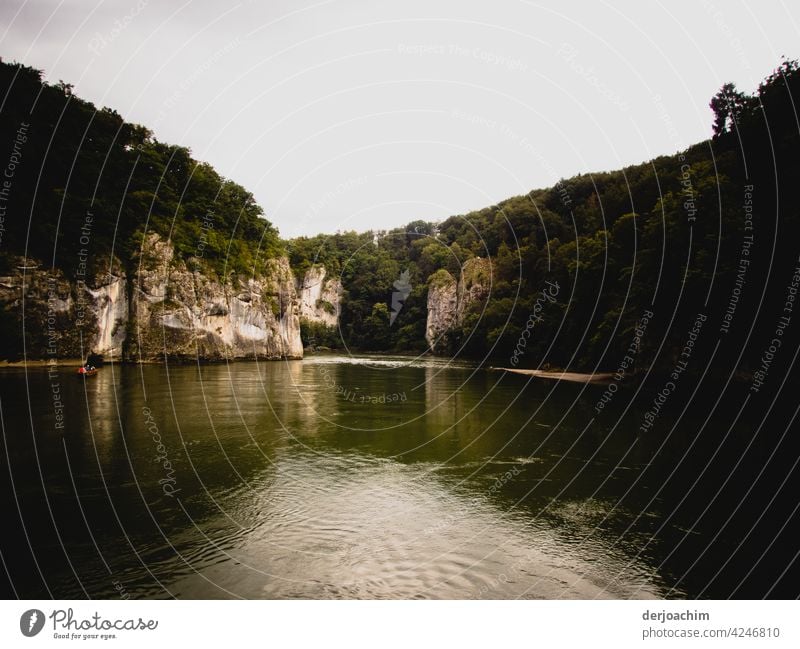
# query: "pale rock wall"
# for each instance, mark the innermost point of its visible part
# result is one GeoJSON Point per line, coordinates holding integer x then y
{"type": "Point", "coordinates": [184, 313]}
{"type": "Point", "coordinates": [166, 309]}
{"type": "Point", "coordinates": [49, 316]}
{"type": "Point", "coordinates": [442, 307]}
{"type": "Point", "coordinates": [449, 300]}
{"type": "Point", "coordinates": [320, 298]}
{"type": "Point", "coordinates": [109, 304]}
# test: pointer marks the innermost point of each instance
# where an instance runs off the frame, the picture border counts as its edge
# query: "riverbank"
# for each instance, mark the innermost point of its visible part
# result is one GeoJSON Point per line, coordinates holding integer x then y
{"type": "Point", "coordinates": [40, 362]}
{"type": "Point", "coordinates": [575, 377]}
{"type": "Point", "coordinates": [77, 362]}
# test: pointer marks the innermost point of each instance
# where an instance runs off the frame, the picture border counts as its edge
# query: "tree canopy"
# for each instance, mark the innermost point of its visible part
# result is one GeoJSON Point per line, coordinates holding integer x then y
{"type": "Point", "coordinates": [76, 160]}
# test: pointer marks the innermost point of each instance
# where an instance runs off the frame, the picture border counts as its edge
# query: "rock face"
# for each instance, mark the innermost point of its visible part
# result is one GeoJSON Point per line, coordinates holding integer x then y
{"type": "Point", "coordinates": [184, 313]}
{"type": "Point", "coordinates": [442, 307]}
{"type": "Point", "coordinates": [45, 315]}
{"type": "Point", "coordinates": [109, 305]}
{"type": "Point", "coordinates": [450, 300]}
{"type": "Point", "coordinates": [165, 309]}
{"type": "Point", "coordinates": [474, 286]}
{"type": "Point", "coordinates": [320, 299]}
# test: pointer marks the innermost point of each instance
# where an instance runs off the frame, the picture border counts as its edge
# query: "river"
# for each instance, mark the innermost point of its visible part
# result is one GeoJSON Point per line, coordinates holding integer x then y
{"type": "Point", "coordinates": [340, 477]}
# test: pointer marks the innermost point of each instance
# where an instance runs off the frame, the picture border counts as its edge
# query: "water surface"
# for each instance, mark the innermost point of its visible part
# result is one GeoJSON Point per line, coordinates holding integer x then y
{"type": "Point", "coordinates": [338, 477]}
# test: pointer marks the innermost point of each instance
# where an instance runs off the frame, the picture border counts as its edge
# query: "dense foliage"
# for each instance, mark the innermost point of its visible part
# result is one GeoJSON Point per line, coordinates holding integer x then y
{"type": "Point", "coordinates": [664, 237]}
{"type": "Point", "coordinates": [75, 161]}
{"type": "Point", "coordinates": [369, 265]}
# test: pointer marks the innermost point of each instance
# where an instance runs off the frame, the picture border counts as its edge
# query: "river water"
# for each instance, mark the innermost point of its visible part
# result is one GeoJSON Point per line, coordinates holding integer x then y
{"type": "Point", "coordinates": [342, 477]}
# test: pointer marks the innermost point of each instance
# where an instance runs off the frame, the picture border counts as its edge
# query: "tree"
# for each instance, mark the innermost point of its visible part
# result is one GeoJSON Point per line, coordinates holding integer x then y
{"type": "Point", "coordinates": [729, 106]}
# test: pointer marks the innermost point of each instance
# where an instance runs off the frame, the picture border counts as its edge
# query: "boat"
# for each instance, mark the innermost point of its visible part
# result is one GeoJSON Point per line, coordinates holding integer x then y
{"type": "Point", "coordinates": [82, 371]}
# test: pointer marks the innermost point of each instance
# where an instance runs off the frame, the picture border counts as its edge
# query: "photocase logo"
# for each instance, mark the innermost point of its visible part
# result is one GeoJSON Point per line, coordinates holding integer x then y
{"type": "Point", "coordinates": [31, 622]}
{"type": "Point", "coordinates": [402, 290]}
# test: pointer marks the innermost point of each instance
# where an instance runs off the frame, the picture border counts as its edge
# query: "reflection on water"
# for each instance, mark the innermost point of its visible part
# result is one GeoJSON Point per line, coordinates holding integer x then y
{"type": "Point", "coordinates": [334, 526]}
{"type": "Point", "coordinates": [305, 479]}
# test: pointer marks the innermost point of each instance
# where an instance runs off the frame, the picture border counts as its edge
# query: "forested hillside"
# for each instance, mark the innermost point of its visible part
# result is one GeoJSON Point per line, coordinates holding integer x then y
{"type": "Point", "coordinates": [707, 234]}
{"type": "Point", "coordinates": [709, 231]}
{"type": "Point", "coordinates": [85, 180]}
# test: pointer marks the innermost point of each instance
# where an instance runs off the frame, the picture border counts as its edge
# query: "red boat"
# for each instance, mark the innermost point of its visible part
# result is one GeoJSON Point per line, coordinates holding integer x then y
{"type": "Point", "coordinates": [82, 371]}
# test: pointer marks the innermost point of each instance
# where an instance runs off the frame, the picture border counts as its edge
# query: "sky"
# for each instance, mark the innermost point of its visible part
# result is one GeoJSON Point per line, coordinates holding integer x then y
{"type": "Point", "coordinates": [369, 114]}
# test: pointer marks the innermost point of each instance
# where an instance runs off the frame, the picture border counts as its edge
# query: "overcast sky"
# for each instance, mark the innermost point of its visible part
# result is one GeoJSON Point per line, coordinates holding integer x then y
{"type": "Point", "coordinates": [361, 114]}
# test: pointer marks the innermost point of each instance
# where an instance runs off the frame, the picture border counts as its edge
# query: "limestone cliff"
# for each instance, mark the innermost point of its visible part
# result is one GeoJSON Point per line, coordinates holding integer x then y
{"type": "Point", "coordinates": [46, 315]}
{"type": "Point", "coordinates": [185, 313]}
{"type": "Point", "coordinates": [442, 307]}
{"type": "Point", "coordinates": [108, 304]}
{"type": "Point", "coordinates": [163, 309]}
{"type": "Point", "coordinates": [450, 300]}
{"type": "Point", "coordinates": [320, 298]}
{"type": "Point", "coordinates": [474, 286]}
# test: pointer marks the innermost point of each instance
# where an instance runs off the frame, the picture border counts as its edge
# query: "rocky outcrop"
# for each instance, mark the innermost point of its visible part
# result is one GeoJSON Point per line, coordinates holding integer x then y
{"type": "Point", "coordinates": [450, 300]}
{"type": "Point", "coordinates": [108, 304]}
{"type": "Point", "coordinates": [46, 315]}
{"type": "Point", "coordinates": [320, 298]}
{"type": "Point", "coordinates": [442, 307]}
{"type": "Point", "coordinates": [474, 285]}
{"type": "Point", "coordinates": [184, 313]}
{"type": "Point", "coordinates": [165, 308]}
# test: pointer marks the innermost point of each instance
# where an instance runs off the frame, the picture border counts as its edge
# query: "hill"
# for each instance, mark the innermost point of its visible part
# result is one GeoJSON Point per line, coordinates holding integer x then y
{"type": "Point", "coordinates": [677, 260]}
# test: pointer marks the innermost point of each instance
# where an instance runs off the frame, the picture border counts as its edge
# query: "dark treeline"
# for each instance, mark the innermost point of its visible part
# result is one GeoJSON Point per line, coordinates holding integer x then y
{"type": "Point", "coordinates": [84, 180]}
{"type": "Point", "coordinates": [706, 234]}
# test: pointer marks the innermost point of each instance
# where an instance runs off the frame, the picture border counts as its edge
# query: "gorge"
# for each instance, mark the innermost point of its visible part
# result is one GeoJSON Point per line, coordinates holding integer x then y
{"type": "Point", "coordinates": [583, 391]}
{"type": "Point", "coordinates": [181, 263]}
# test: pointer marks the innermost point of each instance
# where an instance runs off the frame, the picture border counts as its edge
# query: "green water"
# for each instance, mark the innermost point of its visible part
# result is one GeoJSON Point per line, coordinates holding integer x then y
{"type": "Point", "coordinates": [334, 477]}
